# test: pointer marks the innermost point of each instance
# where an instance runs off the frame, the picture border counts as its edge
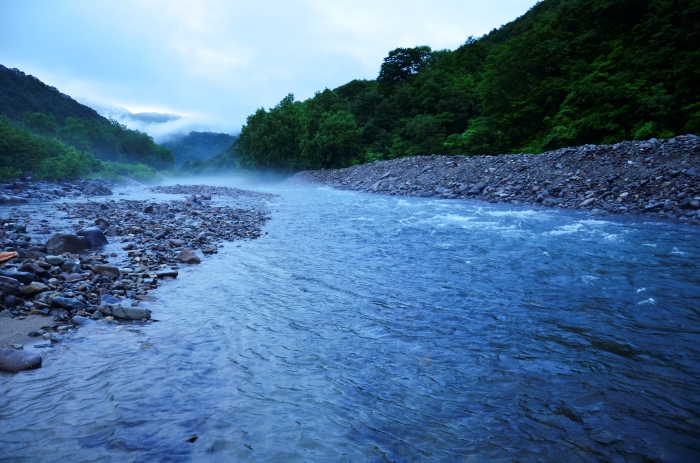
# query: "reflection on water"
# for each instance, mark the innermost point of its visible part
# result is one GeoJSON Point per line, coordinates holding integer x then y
{"type": "Point", "coordinates": [370, 328]}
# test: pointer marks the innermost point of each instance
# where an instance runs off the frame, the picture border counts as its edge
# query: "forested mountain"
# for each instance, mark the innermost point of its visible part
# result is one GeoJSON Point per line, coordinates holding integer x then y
{"type": "Point", "coordinates": [568, 72]}
{"type": "Point", "coordinates": [33, 109]}
{"type": "Point", "coordinates": [197, 146]}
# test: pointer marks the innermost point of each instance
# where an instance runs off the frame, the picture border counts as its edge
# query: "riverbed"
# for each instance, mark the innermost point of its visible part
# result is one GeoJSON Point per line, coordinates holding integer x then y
{"type": "Point", "coordinates": [378, 328]}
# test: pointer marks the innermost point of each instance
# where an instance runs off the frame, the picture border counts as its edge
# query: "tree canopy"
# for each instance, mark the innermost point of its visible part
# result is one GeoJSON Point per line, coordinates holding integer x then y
{"type": "Point", "coordinates": [568, 72]}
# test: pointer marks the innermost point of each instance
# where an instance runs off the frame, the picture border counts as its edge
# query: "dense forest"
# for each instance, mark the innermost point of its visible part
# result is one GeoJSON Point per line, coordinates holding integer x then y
{"type": "Point", "coordinates": [568, 72]}
{"type": "Point", "coordinates": [47, 132]}
{"type": "Point", "coordinates": [197, 146]}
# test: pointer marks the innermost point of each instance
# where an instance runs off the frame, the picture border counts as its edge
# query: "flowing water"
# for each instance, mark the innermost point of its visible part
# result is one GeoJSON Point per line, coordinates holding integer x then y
{"type": "Point", "coordinates": [374, 328]}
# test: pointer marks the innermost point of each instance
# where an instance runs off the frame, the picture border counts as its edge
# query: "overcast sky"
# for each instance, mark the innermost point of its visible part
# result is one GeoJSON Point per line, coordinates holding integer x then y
{"type": "Point", "coordinates": [217, 61]}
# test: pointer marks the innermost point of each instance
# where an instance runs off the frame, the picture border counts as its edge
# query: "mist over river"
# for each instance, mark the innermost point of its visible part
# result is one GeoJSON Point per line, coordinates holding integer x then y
{"type": "Point", "coordinates": [377, 328]}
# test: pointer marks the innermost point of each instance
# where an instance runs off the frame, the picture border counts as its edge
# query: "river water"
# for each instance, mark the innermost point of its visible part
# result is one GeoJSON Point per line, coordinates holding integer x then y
{"type": "Point", "coordinates": [376, 328]}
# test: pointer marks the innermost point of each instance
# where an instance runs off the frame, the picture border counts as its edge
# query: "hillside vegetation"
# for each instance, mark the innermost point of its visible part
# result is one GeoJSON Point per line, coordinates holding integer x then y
{"type": "Point", "coordinates": [568, 72]}
{"type": "Point", "coordinates": [46, 132]}
{"type": "Point", "coordinates": [198, 146]}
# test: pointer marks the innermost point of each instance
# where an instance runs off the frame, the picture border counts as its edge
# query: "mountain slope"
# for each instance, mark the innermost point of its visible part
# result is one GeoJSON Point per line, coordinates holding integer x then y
{"type": "Point", "coordinates": [20, 93]}
{"type": "Point", "coordinates": [198, 146]}
{"type": "Point", "coordinates": [33, 106]}
{"type": "Point", "coordinates": [568, 72]}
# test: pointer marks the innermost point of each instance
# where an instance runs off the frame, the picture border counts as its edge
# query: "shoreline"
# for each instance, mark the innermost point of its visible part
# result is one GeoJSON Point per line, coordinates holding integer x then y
{"type": "Point", "coordinates": [139, 245]}
{"type": "Point", "coordinates": [654, 178]}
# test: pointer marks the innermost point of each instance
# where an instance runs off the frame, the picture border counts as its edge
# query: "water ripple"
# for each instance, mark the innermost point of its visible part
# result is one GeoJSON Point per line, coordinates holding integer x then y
{"type": "Point", "coordinates": [368, 328]}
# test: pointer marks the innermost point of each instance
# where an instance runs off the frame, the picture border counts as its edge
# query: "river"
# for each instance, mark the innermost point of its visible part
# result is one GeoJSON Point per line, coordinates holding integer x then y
{"type": "Point", "coordinates": [377, 328]}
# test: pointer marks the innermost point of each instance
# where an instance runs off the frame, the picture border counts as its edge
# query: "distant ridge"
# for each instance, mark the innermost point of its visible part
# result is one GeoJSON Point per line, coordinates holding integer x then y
{"type": "Point", "coordinates": [20, 92]}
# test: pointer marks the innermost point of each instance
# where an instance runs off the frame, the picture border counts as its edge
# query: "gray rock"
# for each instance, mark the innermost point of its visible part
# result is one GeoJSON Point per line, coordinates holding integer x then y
{"type": "Point", "coordinates": [109, 299]}
{"type": "Point", "coordinates": [13, 360]}
{"type": "Point", "coordinates": [102, 222]}
{"type": "Point", "coordinates": [66, 242]}
{"type": "Point", "coordinates": [34, 288]}
{"type": "Point", "coordinates": [8, 285]}
{"type": "Point", "coordinates": [67, 303]}
{"type": "Point", "coordinates": [108, 270]}
{"type": "Point", "coordinates": [12, 200]}
{"type": "Point", "coordinates": [55, 260]}
{"type": "Point", "coordinates": [653, 208]}
{"type": "Point", "coordinates": [69, 265]}
{"type": "Point", "coordinates": [130, 313]}
{"type": "Point", "coordinates": [189, 257]}
{"type": "Point", "coordinates": [79, 320]}
{"type": "Point", "coordinates": [94, 235]}
{"type": "Point", "coordinates": [167, 273]}
{"type": "Point", "coordinates": [23, 277]}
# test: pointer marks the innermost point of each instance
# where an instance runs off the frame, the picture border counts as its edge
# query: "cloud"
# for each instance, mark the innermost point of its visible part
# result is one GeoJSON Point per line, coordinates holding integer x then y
{"type": "Point", "coordinates": [217, 61]}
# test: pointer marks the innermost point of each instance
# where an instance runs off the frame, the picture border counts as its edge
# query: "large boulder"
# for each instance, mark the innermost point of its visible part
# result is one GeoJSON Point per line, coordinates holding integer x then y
{"type": "Point", "coordinates": [94, 235]}
{"type": "Point", "coordinates": [14, 360]}
{"type": "Point", "coordinates": [66, 242]}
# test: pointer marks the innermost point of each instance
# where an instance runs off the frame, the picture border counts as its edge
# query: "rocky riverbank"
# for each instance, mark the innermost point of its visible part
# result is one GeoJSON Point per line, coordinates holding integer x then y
{"type": "Point", "coordinates": [24, 191]}
{"type": "Point", "coordinates": [658, 178]}
{"type": "Point", "coordinates": [103, 259]}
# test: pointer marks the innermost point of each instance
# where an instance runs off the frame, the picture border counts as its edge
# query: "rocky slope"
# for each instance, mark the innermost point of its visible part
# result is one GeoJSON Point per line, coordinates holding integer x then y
{"type": "Point", "coordinates": [660, 178]}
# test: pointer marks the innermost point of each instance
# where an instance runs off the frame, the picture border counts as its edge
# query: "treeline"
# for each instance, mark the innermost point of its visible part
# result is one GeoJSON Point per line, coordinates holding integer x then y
{"type": "Point", "coordinates": [41, 115]}
{"type": "Point", "coordinates": [106, 139]}
{"type": "Point", "coordinates": [568, 72]}
{"type": "Point", "coordinates": [46, 157]}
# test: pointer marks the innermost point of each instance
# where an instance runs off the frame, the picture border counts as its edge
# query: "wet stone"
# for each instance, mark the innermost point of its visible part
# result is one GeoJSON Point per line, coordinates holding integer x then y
{"type": "Point", "coordinates": [14, 360]}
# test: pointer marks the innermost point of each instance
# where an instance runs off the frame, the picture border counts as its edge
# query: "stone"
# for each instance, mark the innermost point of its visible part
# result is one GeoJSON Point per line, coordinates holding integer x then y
{"type": "Point", "coordinates": [55, 260]}
{"type": "Point", "coordinates": [94, 235]}
{"type": "Point", "coordinates": [73, 277]}
{"type": "Point", "coordinates": [166, 273]}
{"type": "Point", "coordinates": [23, 277]}
{"type": "Point", "coordinates": [68, 303]}
{"type": "Point", "coordinates": [14, 360]}
{"type": "Point", "coordinates": [35, 269]}
{"type": "Point", "coordinates": [102, 222]}
{"type": "Point", "coordinates": [174, 242]}
{"type": "Point", "coordinates": [15, 200]}
{"type": "Point", "coordinates": [68, 265]}
{"type": "Point", "coordinates": [130, 313]}
{"type": "Point", "coordinates": [34, 288]}
{"type": "Point", "coordinates": [66, 242]}
{"type": "Point", "coordinates": [109, 270]}
{"type": "Point", "coordinates": [189, 257]}
{"type": "Point", "coordinates": [79, 320]}
{"type": "Point", "coordinates": [109, 299]}
{"type": "Point", "coordinates": [8, 285]}
{"type": "Point", "coordinates": [652, 208]}
{"type": "Point", "coordinates": [104, 309]}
